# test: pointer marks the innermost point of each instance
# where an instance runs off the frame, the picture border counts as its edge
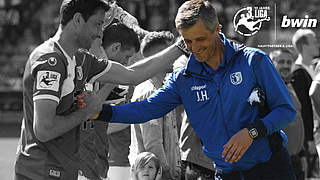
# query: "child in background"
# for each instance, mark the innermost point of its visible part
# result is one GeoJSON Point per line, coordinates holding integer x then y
{"type": "Point", "coordinates": [146, 167]}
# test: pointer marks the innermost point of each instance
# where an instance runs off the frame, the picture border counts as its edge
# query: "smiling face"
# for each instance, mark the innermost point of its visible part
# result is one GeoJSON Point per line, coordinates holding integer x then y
{"type": "Point", "coordinates": [148, 172]}
{"type": "Point", "coordinates": [200, 41]}
{"type": "Point", "coordinates": [283, 63]}
{"type": "Point", "coordinates": [91, 29]}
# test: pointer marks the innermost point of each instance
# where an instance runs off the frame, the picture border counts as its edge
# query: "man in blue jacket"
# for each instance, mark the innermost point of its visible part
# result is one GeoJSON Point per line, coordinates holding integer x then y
{"type": "Point", "coordinates": [214, 88]}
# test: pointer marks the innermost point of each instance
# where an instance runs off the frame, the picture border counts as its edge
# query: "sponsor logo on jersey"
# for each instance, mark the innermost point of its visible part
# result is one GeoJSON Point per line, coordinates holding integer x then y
{"type": "Point", "coordinates": [236, 78]}
{"type": "Point", "coordinates": [52, 61]}
{"type": "Point", "coordinates": [48, 80]}
{"type": "Point", "coordinates": [200, 87]}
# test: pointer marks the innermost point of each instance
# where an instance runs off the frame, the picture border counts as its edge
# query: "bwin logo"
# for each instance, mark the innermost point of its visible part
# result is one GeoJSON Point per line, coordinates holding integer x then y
{"type": "Point", "coordinates": [306, 22]}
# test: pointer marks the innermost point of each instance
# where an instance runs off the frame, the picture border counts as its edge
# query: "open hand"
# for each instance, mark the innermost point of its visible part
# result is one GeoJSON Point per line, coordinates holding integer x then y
{"type": "Point", "coordinates": [237, 146]}
{"type": "Point", "coordinates": [93, 101]}
{"type": "Point", "coordinates": [80, 101]}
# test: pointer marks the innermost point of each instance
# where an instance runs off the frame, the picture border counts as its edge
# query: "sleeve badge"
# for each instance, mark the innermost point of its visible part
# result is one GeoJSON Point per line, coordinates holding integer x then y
{"type": "Point", "coordinates": [48, 80]}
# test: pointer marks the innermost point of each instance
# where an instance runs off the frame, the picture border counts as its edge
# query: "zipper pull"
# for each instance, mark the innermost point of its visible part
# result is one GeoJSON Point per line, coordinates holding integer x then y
{"type": "Point", "coordinates": [218, 89]}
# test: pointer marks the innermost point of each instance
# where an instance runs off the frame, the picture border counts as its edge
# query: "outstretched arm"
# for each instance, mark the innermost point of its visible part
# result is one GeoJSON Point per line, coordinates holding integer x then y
{"type": "Point", "coordinates": [156, 106]}
{"type": "Point", "coordinates": [142, 70]}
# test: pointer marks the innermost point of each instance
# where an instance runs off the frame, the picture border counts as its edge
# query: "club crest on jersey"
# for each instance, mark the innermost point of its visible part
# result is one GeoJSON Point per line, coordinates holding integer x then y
{"type": "Point", "coordinates": [52, 61]}
{"type": "Point", "coordinates": [48, 80]}
{"type": "Point", "coordinates": [236, 78]}
{"type": "Point", "coordinates": [79, 73]}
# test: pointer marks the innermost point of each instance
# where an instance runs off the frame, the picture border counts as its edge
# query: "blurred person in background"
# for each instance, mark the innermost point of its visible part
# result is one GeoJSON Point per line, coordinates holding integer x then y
{"type": "Point", "coordinates": [305, 43]}
{"type": "Point", "coordinates": [120, 44]}
{"type": "Point", "coordinates": [283, 61]}
{"type": "Point", "coordinates": [159, 136]}
{"type": "Point", "coordinates": [96, 138]}
{"type": "Point", "coordinates": [314, 93]}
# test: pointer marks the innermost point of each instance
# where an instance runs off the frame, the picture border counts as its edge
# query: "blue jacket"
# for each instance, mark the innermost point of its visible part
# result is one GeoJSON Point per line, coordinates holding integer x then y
{"type": "Point", "coordinates": [216, 102]}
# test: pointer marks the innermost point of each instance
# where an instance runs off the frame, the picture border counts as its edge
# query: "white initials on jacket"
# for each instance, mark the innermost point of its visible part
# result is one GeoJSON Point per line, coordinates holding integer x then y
{"type": "Point", "coordinates": [202, 95]}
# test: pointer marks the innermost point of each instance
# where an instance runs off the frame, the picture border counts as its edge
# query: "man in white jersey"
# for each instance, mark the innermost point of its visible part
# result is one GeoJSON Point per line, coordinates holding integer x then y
{"type": "Point", "coordinates": [307, 46]}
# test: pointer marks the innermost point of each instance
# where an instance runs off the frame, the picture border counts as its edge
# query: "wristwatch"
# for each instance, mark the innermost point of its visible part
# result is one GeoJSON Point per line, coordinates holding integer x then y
{"type": "Point", "coordinates": [253, 132]}
{"type": "Point", "coordinates": [257, 129]}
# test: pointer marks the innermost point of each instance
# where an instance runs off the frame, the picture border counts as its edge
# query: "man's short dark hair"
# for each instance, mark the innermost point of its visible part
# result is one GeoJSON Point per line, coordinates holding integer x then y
{"type": "Point", "coordinates": [156, 38]}
{"type": "Point", "coordinates": [118, 32]}
{"type": "Point", "coordinates": [86, 7]}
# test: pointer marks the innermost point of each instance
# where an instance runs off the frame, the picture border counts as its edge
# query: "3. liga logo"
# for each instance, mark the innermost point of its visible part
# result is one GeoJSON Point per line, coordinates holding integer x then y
{"type": "Point", "coordinates": [247, 21]}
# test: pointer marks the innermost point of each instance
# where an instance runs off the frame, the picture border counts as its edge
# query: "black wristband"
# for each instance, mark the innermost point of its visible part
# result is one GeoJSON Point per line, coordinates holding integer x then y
{"type": "Point", "coordinates": [260, 127]}
{"type": "Point", "coordinates": [106, 113]}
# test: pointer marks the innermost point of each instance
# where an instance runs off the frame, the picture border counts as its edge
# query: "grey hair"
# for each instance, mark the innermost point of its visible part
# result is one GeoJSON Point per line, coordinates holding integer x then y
{"type": "Point", "coordinates": [191, 11]}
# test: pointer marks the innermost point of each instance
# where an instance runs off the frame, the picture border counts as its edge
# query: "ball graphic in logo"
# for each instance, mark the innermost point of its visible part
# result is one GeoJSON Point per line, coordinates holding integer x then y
{"type": "Point", "coordinates": [52, 61]}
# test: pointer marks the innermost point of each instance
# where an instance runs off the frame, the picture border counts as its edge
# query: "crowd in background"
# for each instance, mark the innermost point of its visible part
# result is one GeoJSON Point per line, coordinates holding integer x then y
{"type": "Point", "coordinates": [25, 24]}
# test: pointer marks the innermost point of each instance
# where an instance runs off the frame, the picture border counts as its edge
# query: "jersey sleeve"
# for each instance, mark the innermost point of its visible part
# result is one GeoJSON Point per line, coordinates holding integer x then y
{"type": "Point", "coordinates": [98, 67]}
{"type": "Point", "coordinates": [49, 72]}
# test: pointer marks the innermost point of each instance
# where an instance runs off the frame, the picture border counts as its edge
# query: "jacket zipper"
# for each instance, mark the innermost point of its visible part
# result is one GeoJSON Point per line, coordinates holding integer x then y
{"type": "Point", "coordinates": [221, 107]}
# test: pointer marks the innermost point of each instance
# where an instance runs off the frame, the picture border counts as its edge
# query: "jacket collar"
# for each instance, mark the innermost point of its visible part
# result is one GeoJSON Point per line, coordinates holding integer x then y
{"type": "Point", "coordinates": [201, 70]}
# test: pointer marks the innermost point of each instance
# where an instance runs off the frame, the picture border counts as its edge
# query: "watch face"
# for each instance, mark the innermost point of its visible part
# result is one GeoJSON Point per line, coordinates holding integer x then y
{"type": "Point", "coordinates": [253, 133]}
